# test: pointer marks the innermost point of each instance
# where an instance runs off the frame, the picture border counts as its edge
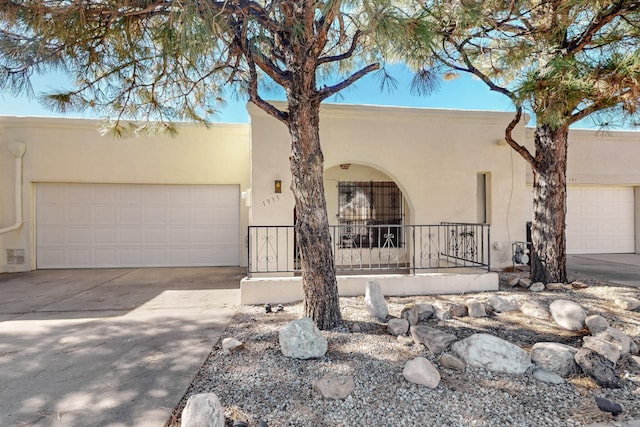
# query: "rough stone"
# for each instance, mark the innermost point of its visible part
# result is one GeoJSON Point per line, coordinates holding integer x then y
{"type": "Point", "coordinates": [442, 314]}
{"type": "Point", "coordinates": [627, 303]}
{"type": "Point", "coordinates": [203, 410]}
{"type": "Point", "coordinates": [229, 345]}
{"type": "Point", "coordinates": [535, 309]}
{"type": "Point", "coordinates": [397, 326]}
{"type": "Point", "coordinates": [434, 339]}
{"type": "Point", "coordinates": [513, 282]}
{"type": "Point", "coordinates": [616, 337]}
{"type": "Point", "coordinates": [425, 311]}
{"type": "Point", "coordinates": [301, 339]}
{"type": "Point", "coordinates": [555, 357]}
{"type": "Point", "coordinates": [537, 287]}
{"type": "Point", "coordinates": [636, 361]}
{"type": "Point", "coordinates": [547, 377]}
{"type": "Point", "coordinates": [602, 347]}
{"type": "Point", "coordinates": [334, 386]}
{"type": "Point", "coordinates": [502, 305]}
{"type": "Point", "coordinates": [374, 301]}
{"type": "Point", "coordinates": [596, 323]}
{"type": "Point", "coordinates": [458, 310]}
{"type": "Point", "coordinates": [633, 347]}
{"type": "Point", "coordinates": [524, 282]}
{"type": "Point", "coordinates": [598, 367]}
{"type": "Point", "coordinates": [410, 314]}
{"type": "Point", "coordinates": [492, 353]}
{"type": "Point", "coordinates": [450, 361]}
{"type": "Point", "coordinates": [555, 286]}
{"type": "Point", "coordinates": [421, 371]}
{"type": "Point", "coordinates": [568, 314]}
{"type": "Point", "coordinates": [475, 308]}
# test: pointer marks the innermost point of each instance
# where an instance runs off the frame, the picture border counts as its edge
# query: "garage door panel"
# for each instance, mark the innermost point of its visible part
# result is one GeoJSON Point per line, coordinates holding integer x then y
{"type": "Point", "coordinates": [600, 220]}
{"type": "Point", "coordinates": [109, 225]}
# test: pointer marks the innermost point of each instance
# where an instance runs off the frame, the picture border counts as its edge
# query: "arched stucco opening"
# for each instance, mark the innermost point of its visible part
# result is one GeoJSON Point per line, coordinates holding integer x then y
{"type": "Point", "coordinates": [354, 172]}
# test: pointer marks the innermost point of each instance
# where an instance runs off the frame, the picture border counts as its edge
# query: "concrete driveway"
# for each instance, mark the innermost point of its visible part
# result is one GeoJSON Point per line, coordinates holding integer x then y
{"type": "Point", "coordinates": [113, 347]}
{"type": "Point", "coordinates": [618, 268]}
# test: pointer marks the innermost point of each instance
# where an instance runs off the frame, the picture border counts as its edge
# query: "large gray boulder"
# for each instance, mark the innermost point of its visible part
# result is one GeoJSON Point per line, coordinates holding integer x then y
{"type": "Point", "coordinates": [421, 371]}
{"type": "Point", "coordinates": [301, 339]}
{"type": "Point", "coordinates": [203, 410]}
{"type": "Point", "coordinates": [492, 353]}
{"type": "Point", "coordinates": [555, 357]}
{"type": "Point", "coordinates": [568, 314]}
{"type": "Point", "coordinates": [434, 339]}
{"type": "Point", "coordinates": [374, 301]}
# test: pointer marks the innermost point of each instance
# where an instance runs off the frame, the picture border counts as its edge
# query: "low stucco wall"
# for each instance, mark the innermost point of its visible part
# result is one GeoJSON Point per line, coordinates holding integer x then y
{"type": "Point", "coordinates": [289, 289]}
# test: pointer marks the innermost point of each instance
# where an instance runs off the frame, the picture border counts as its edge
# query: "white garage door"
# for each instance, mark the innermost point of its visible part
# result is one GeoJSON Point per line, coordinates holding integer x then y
{"type": "Point", "coordinates": [600, 220]}
{"type": "Point", "coordinates": [132, 225]}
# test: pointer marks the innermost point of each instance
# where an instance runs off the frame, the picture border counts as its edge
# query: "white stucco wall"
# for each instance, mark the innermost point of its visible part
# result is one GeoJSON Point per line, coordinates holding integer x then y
{"type": "Point", "coordinates": [72, 150]}
{"type": "Point", "coordinates": [433, 155]}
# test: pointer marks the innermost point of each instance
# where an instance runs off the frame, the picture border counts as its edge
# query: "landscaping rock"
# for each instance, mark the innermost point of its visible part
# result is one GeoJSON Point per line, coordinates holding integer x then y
{"type": "Point", "coordinates": [524, 282]}
{"type": "Point", "coordinates": [410, 314]}
{"type": "Point", "coordinates": [334, 386]}
{"type": "Point", "coordinates": [502, 305]}
{"type": "Point", "coordinates": [450, 361]}
{"type": "Point", "coordinates": [458, 310]}
{"type": "Point", "coordinates": [475, 308]}
{"type": "Point", "coordinates": [421, 371]}
{"type": "Point", "coordinates": [301, 339]}
{"type": "Point", "coordinates": [633, 347]}
{"type": "Point", "coordinates": [616, 337]}
{"type": "Point", "coordinates": [203, 410]}
{"type": "Point", "coordinates": [568, 314]}
{"type": "Point", "coordinates": [425, 311]}
{"type": "Point", "coordinates": [492, 353]}
{"type": "Point", "coordinates": [547, 377]}
{"type": "Point", "coordinates": [555, 357]}
{"type": "Point", "coordinates": [554, 286]}
{"type": "Point", "coordinates": [434, 339]}
{"type": "Point", "coordinates": [602, 347]}
{"type": "Point", "coordinates": [537, 287]}
{"type": "Point", "coordinates": [513, 282]}
{"type": "Point", "coordinates": [229, 345]}
{"type": "Point", "coordinates": [374, 301]}
{"type": "Point", "coordinates": [442, 314]}
{"type": "Point", "coordinates": [598, 367]}
{"type": "Point", "coordinates": [398, 326]}
{"type": "Point", "coordinates": [627, 303]}
{"type": "Point", "coordinates": [596, 323]}
{"type": "Point", "coordinates": [536, 310]}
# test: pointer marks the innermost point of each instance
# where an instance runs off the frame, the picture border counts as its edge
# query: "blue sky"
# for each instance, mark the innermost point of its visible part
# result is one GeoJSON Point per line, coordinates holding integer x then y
{"type": "Point", "coordinates": [465, 93]}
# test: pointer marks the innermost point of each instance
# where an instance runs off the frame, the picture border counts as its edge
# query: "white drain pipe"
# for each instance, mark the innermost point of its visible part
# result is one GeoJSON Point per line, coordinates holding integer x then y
{"type": "Point", "coordinates": [17, 149]}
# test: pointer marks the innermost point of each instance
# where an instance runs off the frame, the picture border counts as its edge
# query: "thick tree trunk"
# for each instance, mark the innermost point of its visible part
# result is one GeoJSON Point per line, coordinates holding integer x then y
{"type": "Point", "coordinates": [548, 255]}
{"type": "Point", "coordinates": [312, 224]}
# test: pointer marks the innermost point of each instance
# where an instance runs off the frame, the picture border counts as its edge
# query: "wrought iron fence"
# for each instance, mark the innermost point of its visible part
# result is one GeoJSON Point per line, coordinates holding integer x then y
{"type": "Point", "coordinates": [386, 248]}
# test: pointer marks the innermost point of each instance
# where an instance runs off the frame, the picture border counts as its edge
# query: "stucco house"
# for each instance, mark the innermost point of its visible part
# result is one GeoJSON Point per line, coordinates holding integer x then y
{"type": "Point", "coordinates": [409, 193]}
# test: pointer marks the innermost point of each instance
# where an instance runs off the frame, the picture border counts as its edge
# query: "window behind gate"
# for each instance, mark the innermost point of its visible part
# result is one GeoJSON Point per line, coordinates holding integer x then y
{"type": "Point", "coordinates": [368, 212]}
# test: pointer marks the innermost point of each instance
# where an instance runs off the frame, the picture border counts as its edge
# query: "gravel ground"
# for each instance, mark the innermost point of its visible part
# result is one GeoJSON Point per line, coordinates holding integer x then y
{"type": "Point", "coordinates": [259, 383]}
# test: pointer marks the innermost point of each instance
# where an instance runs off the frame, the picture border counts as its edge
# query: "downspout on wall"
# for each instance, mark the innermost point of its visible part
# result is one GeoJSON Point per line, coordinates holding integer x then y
{"type": "Point", "coordinates": [17, 149]}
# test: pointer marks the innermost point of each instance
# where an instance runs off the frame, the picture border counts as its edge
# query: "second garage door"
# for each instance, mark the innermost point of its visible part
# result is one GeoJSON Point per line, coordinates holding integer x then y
{"type": "Point", "coordinates": [600, 220]}
{"type": "Point", "coordinates": [135, 225]}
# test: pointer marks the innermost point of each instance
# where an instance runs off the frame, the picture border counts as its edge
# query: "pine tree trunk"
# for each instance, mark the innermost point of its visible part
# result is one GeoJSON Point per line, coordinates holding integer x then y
{"type": "Point", "coordinates": [312, 224]}
{"type": "Point", "coordinates": [548, 254]}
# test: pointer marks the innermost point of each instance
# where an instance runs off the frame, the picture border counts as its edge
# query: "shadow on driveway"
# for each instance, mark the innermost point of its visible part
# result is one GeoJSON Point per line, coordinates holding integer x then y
{"type": "Point", "coordinates": [107, 347]}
